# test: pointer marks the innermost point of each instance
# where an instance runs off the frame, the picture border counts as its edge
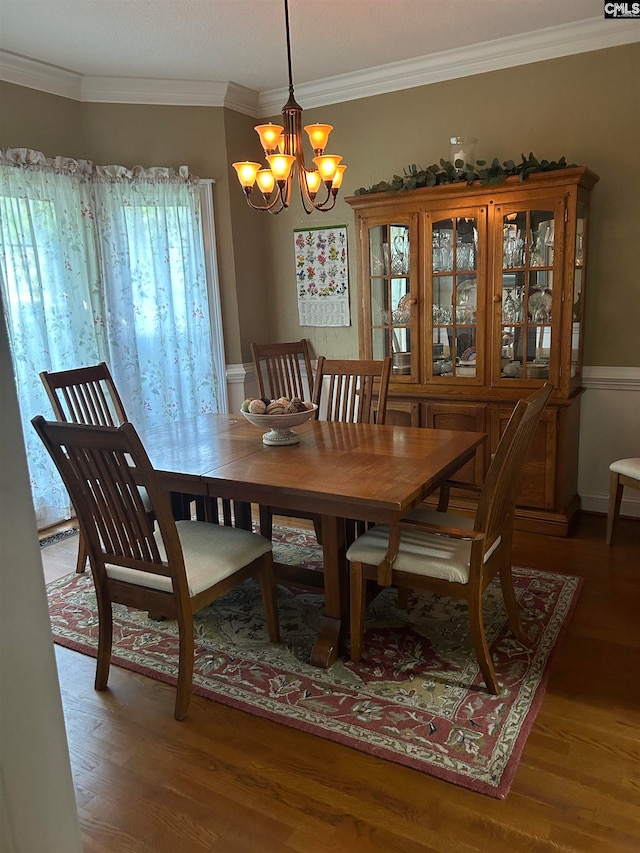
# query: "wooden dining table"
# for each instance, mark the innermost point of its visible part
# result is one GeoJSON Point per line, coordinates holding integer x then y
{"type": "Point", "coordinates": [339, 471]}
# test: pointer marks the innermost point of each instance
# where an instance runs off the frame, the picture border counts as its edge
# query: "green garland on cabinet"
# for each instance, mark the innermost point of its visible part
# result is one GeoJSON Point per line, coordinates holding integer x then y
{"type": "Point", "coordinates": [447, 172]}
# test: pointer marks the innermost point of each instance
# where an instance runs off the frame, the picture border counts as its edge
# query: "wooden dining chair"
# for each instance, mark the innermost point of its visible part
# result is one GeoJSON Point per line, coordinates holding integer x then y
{"type": "Point", "coordinates": [173, 570]}
{"type": "Point", "coordinates": [623, 473]}
{"type": "Point", "coordinates": [353, 390]}
{"type": "Point", "coordinates": [450, 554]}
{"type": "Point", "coordinates": [88, 395]}
{"type": "Point", "coordinates": [84, 395]}
{"type": "Point", "coordinates": [283, 369]}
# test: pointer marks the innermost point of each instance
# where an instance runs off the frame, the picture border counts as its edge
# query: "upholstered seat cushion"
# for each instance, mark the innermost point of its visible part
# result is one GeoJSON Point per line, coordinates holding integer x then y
{"type": "Point", "coordinates": [422, 553]}
{"type": "Point", "coordinates": [212, 553]}
{"type": "Point", "coordinates": [626, 467]}
{"type": "Point", "coordinates": [451, 519]}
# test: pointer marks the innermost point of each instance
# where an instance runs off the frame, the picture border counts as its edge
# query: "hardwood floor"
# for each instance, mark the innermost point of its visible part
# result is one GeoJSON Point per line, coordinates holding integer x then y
{"type": "Point", "coordinates": [226, 781]}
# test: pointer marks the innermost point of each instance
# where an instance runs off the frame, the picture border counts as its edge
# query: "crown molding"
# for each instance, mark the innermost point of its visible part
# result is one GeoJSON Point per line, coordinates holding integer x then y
{"type": "Point", "coordinates": [548, 43]}
{"type": "Point", "coordinates": [125, 90]}
{"type": "Point", "coordinates": [138, 90]}
{"type": "Point", "coordinates": [242, 100]}
{"type": "Point", "coordinates": [40, 75]}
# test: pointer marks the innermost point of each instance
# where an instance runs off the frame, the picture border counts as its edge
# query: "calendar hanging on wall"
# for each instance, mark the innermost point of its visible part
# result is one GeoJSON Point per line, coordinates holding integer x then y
{"type": "Point", "coordinates": [322, 276]}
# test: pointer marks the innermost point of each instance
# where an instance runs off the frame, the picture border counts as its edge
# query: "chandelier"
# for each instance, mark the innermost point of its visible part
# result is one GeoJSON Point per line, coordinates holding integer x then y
{"type": "Point", "coordinates": [283, 148]}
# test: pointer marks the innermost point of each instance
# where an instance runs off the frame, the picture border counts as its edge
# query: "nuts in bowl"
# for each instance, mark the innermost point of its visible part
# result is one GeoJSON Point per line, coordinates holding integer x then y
{"type": "Point", "coordinates": [278, 416]}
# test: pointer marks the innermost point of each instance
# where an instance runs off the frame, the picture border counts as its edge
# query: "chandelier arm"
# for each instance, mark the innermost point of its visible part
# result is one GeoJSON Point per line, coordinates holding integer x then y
{"type": "Point", "coordinates": [269, 206]}
{"type": "Point", "coordinates": [328, 203]}
{"type": "Point", "coordinates": [307, 202]}
{"type": "Point", "coordinates": [317, 205]}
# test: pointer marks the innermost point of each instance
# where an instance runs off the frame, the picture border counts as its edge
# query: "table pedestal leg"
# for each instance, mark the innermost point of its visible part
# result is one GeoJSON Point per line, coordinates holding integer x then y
{"type": "Point", "coordinates": [336, 605]}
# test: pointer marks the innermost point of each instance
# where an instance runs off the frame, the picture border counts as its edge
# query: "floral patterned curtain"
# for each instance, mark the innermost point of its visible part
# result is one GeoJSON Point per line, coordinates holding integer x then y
{"type": "Point", "coordinates": [103, 264]}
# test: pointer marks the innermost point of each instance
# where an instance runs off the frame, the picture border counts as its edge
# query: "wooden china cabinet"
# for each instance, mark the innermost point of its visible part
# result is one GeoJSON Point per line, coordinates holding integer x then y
{"type": "Point", "coordinates": [477, 293]}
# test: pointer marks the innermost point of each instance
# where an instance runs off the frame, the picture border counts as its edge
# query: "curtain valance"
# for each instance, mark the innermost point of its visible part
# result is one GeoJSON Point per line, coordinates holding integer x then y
{"type": "Point", "coordinates": [28, 158]}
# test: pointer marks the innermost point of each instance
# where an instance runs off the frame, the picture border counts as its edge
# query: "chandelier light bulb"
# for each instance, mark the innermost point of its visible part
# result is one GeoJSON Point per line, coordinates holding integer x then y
{"type": "Point", "coordinates": [269, 135]}
{"type": "Point", "coordinates": [318, 135]}
{"type": "Point", "coordinates": [327, 165]}
{"type": "Point", "coordinates": [314, 179]}
{"type": "Point", "coordinates": [247, 172]}
{"type": "Point", "coordinates": [266, 181]}
{"type": "Point", "coordinates": [337, 178]}
{"type": "Point", "coordinates": [281, 165]}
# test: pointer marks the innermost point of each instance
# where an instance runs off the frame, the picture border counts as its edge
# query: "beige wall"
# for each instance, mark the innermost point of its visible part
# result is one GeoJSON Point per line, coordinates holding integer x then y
{"type": "Point", "coordinates": [583, 107]}
{"type": "Point", "coordinates": [30, 119]}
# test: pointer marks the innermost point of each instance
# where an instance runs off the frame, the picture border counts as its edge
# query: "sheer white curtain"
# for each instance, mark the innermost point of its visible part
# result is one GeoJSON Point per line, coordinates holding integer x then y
{"type": "Point", "coordinates": [103, 263]}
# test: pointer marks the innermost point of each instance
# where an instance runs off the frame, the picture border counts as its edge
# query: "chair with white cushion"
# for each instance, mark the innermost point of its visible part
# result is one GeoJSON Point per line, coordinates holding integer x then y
{"type": "Point", "coordinates": [172, 571]}
{"type": "Point", "coordinates": [624, 472]}
{"type": "Point", "coordinates": [451, 554]}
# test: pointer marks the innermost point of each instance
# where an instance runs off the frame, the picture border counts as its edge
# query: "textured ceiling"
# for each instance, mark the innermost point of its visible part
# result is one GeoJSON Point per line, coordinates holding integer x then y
{"type": "Point", "coordinates": [243, 41]}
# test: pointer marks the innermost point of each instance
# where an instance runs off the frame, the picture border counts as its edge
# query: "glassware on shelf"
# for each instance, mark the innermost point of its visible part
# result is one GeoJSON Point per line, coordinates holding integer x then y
{"type": "Point", "coordinates": [401, 315]}
{"type": "Point", "coordinates": [443, 251]}
{"type": "Point", "coordinates": [437, 252]}
{"type": "Point", "coordinates": [513, 369]}
{"type": "Point", "coordinates": [465, 255]}
{"type": "Point", "coordinates": [512, 247]}
{"type": "Point", "coordinates": [537, 256]}
{"type": "Point", "coordinates": [462, 150]}
{"type": "Point", "coordinates": [549, 244]}
{"type": "Point", "coordinates": [466, 301]}
{"type": "Point", "coordinates": [442, 315]}
{"type": "Point", "coordinates": [540, 305]}
{"type": "Point", "coordinates": [400, 255]}
{"type": "Point", "coordinates": [518, 301]}
{"type": "Point", "coordinates": [509, 309]}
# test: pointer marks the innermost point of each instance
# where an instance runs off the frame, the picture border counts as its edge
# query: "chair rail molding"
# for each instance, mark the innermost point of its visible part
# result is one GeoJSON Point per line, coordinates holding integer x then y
{"type": "Point", "coordinates": [609, 430]}
{"type": "Point", "coordinates": [242, 382]}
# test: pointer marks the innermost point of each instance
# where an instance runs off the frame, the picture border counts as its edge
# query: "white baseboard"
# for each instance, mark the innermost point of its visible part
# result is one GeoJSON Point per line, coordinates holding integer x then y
{"type": "Point", "coordinates": [600, 503]}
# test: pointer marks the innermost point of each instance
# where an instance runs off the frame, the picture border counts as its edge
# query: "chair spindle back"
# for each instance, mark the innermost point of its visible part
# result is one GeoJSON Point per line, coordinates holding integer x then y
{"type": "Point", "coordinates": [283, 370]}
{"type": "Point", "coordinates": [352, 390]}
{"type": "Point", "coordinates": [85, 395]}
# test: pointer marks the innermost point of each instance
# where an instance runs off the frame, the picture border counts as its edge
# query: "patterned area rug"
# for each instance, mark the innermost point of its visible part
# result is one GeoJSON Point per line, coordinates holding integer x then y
{"type": "Point", "coordinates": [58, 537]}
{"type": "Point", "coordinates": [416, 697]}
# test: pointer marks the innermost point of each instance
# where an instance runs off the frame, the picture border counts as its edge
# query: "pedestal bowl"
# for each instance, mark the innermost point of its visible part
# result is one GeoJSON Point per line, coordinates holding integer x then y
{"type": "Point", "coordinates": [279, 426]}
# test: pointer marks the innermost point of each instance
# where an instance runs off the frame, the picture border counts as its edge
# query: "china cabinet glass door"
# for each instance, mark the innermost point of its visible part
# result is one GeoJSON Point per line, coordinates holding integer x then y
{"type": "Point", "coordinates": [456, 298]}
{"type": "Point", "coordinates": [529, 305]}
{"type": "Point", "coordinates": [577, 315]}
{"type": "Point", "coordinates": [393, 321]}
